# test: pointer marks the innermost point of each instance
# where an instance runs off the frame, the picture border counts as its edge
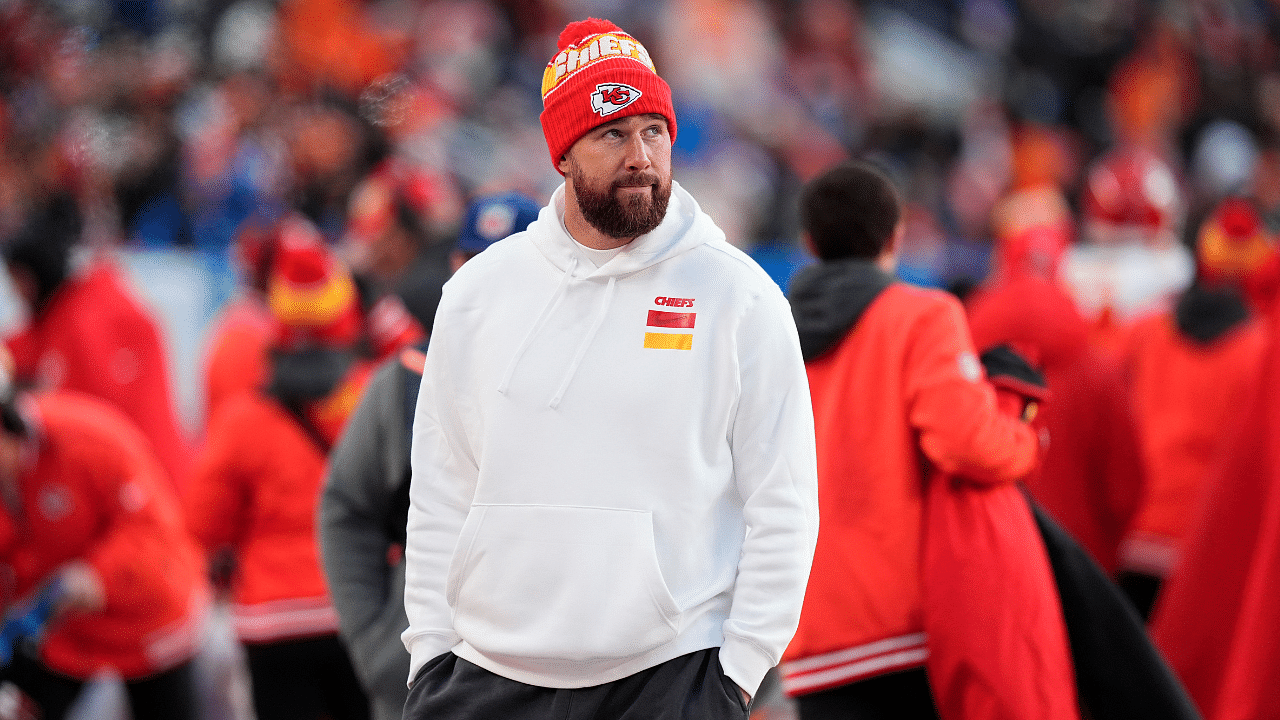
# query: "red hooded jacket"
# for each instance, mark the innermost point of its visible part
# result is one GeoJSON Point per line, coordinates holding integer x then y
{"type": "Point", "coordinates": [897, 388]}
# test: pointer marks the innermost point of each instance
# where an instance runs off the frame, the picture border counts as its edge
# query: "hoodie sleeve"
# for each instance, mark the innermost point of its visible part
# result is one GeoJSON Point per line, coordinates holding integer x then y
{"type": "Point", "coordinates": [775, 468]}
{"type": "Point", "coordinates": [953, 408]}
{"type": "Point", "coordinates": [440, 494]}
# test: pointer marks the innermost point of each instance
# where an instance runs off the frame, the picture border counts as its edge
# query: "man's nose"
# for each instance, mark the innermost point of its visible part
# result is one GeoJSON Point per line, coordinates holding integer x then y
{"type": "Point", "coordinates": [637, 156]}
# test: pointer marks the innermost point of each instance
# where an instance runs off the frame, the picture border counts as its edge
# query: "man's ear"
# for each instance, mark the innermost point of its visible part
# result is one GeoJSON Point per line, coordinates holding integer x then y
{"type": "Point", "coordinates": [563, 165]}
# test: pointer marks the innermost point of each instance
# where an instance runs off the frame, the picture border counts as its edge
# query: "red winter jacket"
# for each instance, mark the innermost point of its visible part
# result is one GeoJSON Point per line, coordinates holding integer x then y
{"type": "Point", "coordinates": [96, 337]}
{"type": "Point", "coordinates": [94, 491]}
{"type": "Point", "coordinates": [998, 646]}
{"type": "Point", "coordinates": [1092, 477]}
{"type": "Point", "coordinates": [895, 387]}
{"type": "Point", "coordinates": [256, 488]}
{"type": "Point", "coordinates": [1185, 392]}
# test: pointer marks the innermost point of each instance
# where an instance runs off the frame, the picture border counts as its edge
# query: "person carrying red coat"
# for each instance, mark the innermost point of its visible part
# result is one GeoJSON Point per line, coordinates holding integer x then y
{"type": "Point", "coordinates": [897, 392]}
{"type": "Point", "coordinates": [256, 487]}
{"type": "Point", "coordinates": [90, 524]}
{"type": "Point", "coordinates": [88, 331]}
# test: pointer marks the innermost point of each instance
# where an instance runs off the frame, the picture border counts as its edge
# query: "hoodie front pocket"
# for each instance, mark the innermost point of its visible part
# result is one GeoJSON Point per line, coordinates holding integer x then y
{"type": "Point", "coordinates": [569, 583]}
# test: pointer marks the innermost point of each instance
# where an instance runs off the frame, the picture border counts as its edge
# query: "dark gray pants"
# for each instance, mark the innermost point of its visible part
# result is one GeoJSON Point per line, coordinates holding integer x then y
{"type": "Point", "coordinates": [690, 687]}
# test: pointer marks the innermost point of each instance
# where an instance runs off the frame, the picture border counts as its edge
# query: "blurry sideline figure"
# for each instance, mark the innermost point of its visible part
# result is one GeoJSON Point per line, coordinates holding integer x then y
{"type": "Point", "coordinates": [1192, 368]}
{"type": "Point", "coordinates": [1092, 477]}
{"type": "Point", "coordinates": [87, 330]}
{"type": "Point", "coordinates": [256, 487]}
{"type": "Point", "coordinates": [90, 529]}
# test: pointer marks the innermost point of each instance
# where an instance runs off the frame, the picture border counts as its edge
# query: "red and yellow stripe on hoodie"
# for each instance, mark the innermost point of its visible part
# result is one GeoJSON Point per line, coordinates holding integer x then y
{"type": "Point", "coordinates": [902, 388]}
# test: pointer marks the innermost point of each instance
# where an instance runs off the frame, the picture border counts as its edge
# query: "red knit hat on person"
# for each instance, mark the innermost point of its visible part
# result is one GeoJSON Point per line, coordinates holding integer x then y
{"type": "Point", "coordinates": [599, 75]}
{"type": "Point", "coordinates": [1232, 243]}
{"type": "Point", "coordinates": [312, 297]}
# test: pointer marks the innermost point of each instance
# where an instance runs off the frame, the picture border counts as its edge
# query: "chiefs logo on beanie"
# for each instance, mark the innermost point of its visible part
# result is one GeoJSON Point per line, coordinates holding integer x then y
{"type": "Point", "coordinates": [600, 74]}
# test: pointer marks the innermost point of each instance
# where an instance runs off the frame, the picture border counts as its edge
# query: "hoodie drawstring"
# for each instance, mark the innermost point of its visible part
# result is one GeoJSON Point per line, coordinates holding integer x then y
{"type": "Point", "coordinates": [537, 326]}
{"type": "Point", "coordinates": [586, 342]}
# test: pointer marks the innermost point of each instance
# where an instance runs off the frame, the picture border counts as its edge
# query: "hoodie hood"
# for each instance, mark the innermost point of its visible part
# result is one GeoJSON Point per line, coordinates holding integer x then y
{"type": "Point", "coordinates": [827, 300]}
{"type": "Point", "coordinates": [684, 228]}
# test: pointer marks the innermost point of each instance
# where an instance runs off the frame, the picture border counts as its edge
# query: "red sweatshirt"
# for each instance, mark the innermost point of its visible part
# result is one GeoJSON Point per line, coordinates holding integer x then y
{"type": "Point", "coordinates": [94, 491]}
{"type": "Point", "coordinates": [96, 337]}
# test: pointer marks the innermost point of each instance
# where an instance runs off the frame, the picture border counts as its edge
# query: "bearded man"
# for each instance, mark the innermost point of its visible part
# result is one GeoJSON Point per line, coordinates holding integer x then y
{"type": "Point", "coordinates": [613, 503]}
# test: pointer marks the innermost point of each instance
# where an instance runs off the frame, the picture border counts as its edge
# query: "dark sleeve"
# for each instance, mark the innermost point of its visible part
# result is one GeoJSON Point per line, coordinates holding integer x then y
{"type": "Point", "coordinates": [362, 480]}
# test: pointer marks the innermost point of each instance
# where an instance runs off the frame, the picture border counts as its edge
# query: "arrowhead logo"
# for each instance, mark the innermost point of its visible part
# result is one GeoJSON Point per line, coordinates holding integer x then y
{"type": "Point", "coordinates": [609, 98]}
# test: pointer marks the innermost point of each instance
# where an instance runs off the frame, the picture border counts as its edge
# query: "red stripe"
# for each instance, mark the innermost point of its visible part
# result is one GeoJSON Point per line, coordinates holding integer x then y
{"type": "Point", "coordinates": [659, 318]}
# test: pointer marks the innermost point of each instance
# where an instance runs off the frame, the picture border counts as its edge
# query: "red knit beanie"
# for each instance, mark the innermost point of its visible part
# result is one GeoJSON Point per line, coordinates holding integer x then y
{"type": "Point", "coordinates": [312, 297]}
{"type": "Point", "coordinates": [600, 74]}
{"type": "Point", "coordinates": [1232, 243]}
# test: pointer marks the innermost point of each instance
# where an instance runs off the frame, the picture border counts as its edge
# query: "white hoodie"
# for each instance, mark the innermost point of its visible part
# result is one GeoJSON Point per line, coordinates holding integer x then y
{"type": "Point", "coordinates": [612, 467]}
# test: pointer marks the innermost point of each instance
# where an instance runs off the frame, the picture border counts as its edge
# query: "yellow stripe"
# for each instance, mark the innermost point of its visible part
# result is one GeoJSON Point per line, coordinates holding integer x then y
{"type": "Point", "coordinates": [311, 305]}
{"type": "Point", "coordinates": [668, 341]}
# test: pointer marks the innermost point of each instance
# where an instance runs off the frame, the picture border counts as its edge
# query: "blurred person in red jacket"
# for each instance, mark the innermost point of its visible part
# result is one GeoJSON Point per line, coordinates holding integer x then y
{"type": "Point", "coordinates": [1216, 615]}
{"type": "Point", "coordinates": [88, 331]}
{"type": "Point", "coordinates": [1191, 368]}
{"type": "Point", "coordinates": [91, 527]}
{"type": "Point", "coordinates": [1209, 618]}
{"type": "Point", "coordinates": [898, 392]}
{"type": "Point", "coordinates": [1091, 477]}
{"type": "Point", "coordinates": [256, 486]}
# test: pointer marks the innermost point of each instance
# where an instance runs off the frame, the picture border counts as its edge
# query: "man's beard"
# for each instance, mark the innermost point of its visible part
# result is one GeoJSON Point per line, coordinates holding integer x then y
{"type": "Point", "coordinates": [622, 220]}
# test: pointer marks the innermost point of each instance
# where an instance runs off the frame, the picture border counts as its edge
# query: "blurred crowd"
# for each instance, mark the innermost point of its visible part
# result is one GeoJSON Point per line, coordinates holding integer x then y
{"type": "Point", "coordinates": [1103, 146]}
{"type": "Point", "coordinates": [173, 122]}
